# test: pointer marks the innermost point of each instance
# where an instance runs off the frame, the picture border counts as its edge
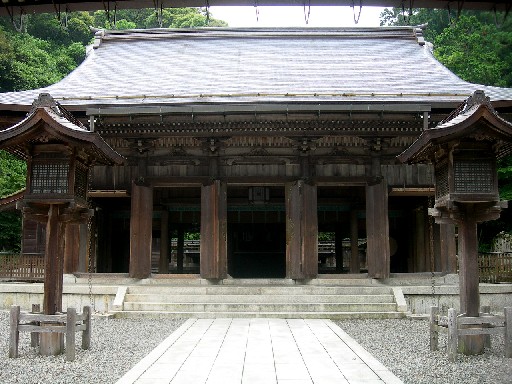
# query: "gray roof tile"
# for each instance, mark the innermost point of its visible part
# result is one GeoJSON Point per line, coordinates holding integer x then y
{"type": "Point", "coordinates": [258, 65]}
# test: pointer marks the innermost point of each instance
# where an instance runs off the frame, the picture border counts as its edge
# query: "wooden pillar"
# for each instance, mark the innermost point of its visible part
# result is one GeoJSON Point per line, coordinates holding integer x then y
{"type": "Point", "coordinates": [448, 248]}
{"type": "Point", "coordinates": [377, 230]}
{"type": "Point", "coordinates": [354, 243]}
{"type": "Point", "coordinates": [53, 343]}
{"type": "Point", "coordinates": [469, 283]}
{"type": "Point", "coordinates": [213, 246]}
{"type": "Point", "coordinates": [180, 249]}
{"type": "Point", "coordinates": [141, 222]}
{"type": "Point", "coordinates": [163, 265]}
{"type": "Point", "coordinates": [83, 247]}
{"type": "Point", "coordinates": [468, 268]}
{"type": "Point", "coordinates": [71, 248]}
{"type": "Point", "coordinates": [338, 249]}
{"type": "Point", "coordinates": [420, 239]}
{"type": "Point", "coordinates": [301, 230]}
{"type": "Point", "coordinates": [53, 262]}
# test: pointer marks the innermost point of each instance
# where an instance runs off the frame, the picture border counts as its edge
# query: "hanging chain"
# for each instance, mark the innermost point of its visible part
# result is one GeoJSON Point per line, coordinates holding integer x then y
{"type": "Point", "coordinates": [207, 12]}
{"type": "Point", "coordinates": [356, 20]}
{"type": "Point", "coordinates": [431, 235]}
{"type": "Point", "coordinates": [89, 252]}
{"type": "Point", "coordinates": [257, 10]}
{"type": "Point", "coordinates": [308, 13]}
{"type": "Point", "coordinates": [91, 264]}
{"type": "Point", "coordinates": [19, 28]}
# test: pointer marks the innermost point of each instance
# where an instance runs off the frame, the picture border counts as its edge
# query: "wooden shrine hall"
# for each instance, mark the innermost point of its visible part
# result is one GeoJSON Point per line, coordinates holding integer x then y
{"type": "Point", "coordinates": [259, 152]}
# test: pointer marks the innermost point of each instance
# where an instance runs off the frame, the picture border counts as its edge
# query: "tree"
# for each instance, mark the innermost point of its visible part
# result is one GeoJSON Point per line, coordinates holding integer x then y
{"type": "Point", "coordinates": [12, 179]}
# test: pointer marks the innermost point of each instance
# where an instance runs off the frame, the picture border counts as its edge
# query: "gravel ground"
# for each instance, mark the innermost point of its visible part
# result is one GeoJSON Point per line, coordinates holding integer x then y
{"type": "Point", "coordinates": [403, 347]}
{"type": "Point", "coordinates": [118, 344]}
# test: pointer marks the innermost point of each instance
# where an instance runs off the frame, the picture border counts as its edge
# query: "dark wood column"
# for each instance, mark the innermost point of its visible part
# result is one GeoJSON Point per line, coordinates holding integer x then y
{"type": "Point", "coordinates": [163, 265]}
{"type": "Point", "coordinates": [338, 249]}
{"type": "Point", "coordinates": [141, 227]}
{"type": "Point", "coordinates": [72, 248]}
{"type": "Point", "coordinates": [377, 230]}
{"type": "Point", "coordinates": [420, 252]}
{"type": "Point", "coordinates": [468, 268]}
{"type": "Point", "coordinates": [213, 260]}
{"type": "Point", "coordinates": [448, 248]}
{"type": "Point", "coordinates": [180, 249]}
{"type": "Point", "coordinates": [53, 261]}
{"type": "Point", "coordinates": [301, 230]}
{"type": "Point", "coordinates": [354, 245]}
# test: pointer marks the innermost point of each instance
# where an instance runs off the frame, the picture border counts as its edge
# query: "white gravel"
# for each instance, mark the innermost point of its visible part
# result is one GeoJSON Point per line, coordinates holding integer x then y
{"type": "Point", "coordinates": [118, 344]}
{"type": "Point", "coordinates": [403, 347]}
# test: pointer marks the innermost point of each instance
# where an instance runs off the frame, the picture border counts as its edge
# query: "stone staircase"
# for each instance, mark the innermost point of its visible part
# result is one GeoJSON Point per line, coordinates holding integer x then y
{"type": "Point", "coordinates": [257, 299]}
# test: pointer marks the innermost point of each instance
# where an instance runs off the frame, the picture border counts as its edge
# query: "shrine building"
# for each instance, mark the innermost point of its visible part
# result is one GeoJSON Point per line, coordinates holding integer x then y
{"type": "Point", "coordinates": [258, 153]}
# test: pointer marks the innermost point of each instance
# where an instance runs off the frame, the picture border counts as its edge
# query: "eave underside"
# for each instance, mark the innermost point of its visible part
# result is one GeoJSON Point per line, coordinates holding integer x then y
{"type": "Point", "coordinates": [38, 6]}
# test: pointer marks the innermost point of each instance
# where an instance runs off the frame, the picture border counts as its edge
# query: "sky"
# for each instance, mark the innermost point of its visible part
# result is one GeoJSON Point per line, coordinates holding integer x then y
{"type": "Point", "coordinates": [296, 16]}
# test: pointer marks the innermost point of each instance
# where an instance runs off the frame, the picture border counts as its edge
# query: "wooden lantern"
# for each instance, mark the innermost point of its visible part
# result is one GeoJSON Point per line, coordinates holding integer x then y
{"type": "Point", "coordinates": [56, 174]}
{"type": "Point", "coordinates": [463, 150]}
{"type": "Point", "coordinates": [466, 173]}
{"type": "Point", "coordinates": [59, 151]}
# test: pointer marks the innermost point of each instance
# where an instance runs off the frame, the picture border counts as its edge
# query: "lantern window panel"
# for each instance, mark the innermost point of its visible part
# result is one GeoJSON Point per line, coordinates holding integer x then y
{"type": "Point", "coordinates": [49, 178]}
{"type": "Point", "coordinates": [81, 182]}
{"type": "Point", "coordinates": [472, 176]}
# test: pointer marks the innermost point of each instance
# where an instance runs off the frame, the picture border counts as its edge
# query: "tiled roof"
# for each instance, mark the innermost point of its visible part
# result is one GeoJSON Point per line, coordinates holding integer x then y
{"type": "Point", "coordinates": [155, 67]}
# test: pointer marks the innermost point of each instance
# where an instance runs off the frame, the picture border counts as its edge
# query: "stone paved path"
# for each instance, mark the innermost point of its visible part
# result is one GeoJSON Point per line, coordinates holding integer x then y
{"type": "Point", "coordinates": [251, 351]}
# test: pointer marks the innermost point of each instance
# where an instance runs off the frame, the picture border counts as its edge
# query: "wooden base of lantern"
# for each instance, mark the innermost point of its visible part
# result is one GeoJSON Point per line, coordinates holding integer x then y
{"type": "Point", "coordinates": [51, 344]}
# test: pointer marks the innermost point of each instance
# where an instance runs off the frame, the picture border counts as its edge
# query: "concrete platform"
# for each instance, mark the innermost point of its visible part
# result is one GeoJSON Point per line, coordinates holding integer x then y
{"type": "Point", "coordinates": [251, 351]}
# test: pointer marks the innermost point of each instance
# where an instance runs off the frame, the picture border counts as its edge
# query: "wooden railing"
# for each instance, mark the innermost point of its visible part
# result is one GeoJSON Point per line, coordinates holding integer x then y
{"type": "Point", "coordinates": [22, 267]}
{"type": "Point", "coordinates": [495, 267]}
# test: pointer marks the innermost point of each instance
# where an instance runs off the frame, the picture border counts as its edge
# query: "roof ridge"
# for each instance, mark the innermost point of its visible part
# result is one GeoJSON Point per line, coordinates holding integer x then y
{"type": "Point", "coordinates": [403, 32]}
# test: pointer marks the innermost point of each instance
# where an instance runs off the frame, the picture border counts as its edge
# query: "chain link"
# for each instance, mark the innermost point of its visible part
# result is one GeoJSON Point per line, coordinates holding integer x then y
{"type": "Point", "coordinates": [432, 253]}
{"type": "Point", "coordinates": [91, 264]}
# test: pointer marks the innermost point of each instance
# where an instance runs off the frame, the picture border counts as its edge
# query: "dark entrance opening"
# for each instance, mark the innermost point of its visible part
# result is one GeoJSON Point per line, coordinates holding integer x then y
{"type": "Point", "coordinates": [257, 250]}
{"type": "Point", "coordinates": [256, 232]}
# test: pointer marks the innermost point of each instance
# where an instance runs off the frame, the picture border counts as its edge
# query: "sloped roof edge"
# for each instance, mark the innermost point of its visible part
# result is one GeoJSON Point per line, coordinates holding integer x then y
{"type": "Point", "coordinates": [62, 125]}
{"type": "Point", "coordinates": [460, 123]}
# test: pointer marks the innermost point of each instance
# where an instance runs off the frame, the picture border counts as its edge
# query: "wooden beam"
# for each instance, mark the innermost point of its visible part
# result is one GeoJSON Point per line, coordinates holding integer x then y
{"type": "Point", "coordinates": [141, 228]}
{"type": "Point", "coordinates": [213, 259]}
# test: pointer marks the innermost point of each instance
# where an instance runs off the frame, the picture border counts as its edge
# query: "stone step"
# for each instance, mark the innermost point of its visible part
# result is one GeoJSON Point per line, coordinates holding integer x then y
{"type": "Point", "coordinates": [258, 290]}
{"type": "Point", "coordinates": [280, 314]}
{"type": "Point", "coordinates": [257, 298]}
{"type": "Point", "coordinates": [258, 307]}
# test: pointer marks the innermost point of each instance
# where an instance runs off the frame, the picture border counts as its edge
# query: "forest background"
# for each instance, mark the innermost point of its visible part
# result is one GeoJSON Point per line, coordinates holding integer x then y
{"type": "Point", "coordinates": [39, 50]}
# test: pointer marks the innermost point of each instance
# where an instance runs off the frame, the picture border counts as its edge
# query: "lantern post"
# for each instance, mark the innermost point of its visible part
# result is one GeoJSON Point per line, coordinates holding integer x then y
{"type": "Point", "coordinates": [60, 152]}
{"type": "Point", "coordinates": [463, 150]}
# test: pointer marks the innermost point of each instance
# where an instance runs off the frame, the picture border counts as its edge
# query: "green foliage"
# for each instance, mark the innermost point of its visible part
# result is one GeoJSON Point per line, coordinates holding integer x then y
{"type": "Point", "coordinates": [473, 50]}
{"type": "Point", "coordinates": [10, 233]}
{"type": "Point", "coordinates": [150, 18]}
{"type": "Point", "coordinates": [12, 174]}
{"type": "Point", "coordinates": [12, 179]}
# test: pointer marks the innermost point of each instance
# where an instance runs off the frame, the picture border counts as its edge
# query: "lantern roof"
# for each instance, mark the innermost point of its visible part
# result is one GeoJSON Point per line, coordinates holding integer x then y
{"type": "Point", "coordinates": [48, 122]}
{"type": "Point", "coordinates": [475, 119]}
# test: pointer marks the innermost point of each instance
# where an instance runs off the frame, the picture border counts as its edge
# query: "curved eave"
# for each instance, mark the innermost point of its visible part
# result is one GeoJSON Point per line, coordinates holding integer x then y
{"type": "Point", "coordinates": [15, 138]}
{"type": "Point", "coordinates": [480, 118]}
{"type": "Point", "coordinates": [9, 202]}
